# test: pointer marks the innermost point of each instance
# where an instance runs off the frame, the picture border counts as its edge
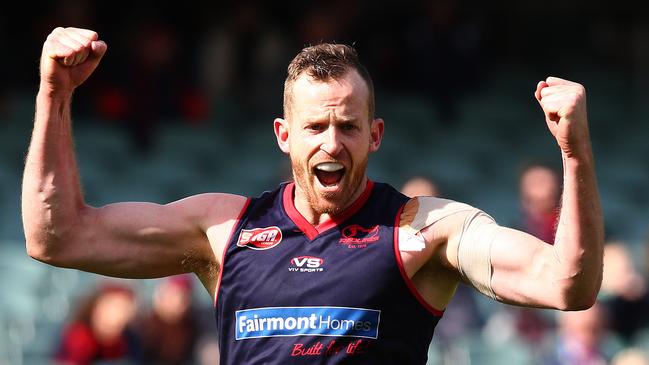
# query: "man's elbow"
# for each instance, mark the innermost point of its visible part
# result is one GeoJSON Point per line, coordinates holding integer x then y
{"type": "Point", "coordinates": [50, 243]}
{"type": "Point", "coordinates": [43, 250]}
{"type": "Point", "coordinates": [578, 304]}
{"type": "Point", "coordinates": [51, 247]}
{"type": "Point", "coordinates": [579, 296]}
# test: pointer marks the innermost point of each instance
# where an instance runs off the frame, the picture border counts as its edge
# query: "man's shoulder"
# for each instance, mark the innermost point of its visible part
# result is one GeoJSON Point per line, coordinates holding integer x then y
{"type": "Point", "coordinates": [228, 201]}
{"type": "Point", "coordinates": [423, 211]}
{"type": "Point", "coordinates": [276, 190]}
{"type": "Point", "coordinates": [212, 198]}
{"type": "Point", "coordinates": [208, 208]}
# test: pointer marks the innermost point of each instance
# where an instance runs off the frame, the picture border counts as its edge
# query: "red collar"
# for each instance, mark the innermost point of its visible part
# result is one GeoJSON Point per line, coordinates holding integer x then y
{"type": "Point", "coordinates": [312, 231]}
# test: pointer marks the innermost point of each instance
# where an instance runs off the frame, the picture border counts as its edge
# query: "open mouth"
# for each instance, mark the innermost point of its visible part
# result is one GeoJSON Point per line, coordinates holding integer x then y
{"type": "Point", "coordinates": [329, 173]}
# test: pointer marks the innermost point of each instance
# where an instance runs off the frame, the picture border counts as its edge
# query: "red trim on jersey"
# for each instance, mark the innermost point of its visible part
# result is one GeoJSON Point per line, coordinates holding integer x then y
{"type": "Point", "coordinates": [287, 199]}
{"type": "Point", "coordinates": [225, 249]}
{"type": "Point", "coordinates": [306, 227]}
{"type": "Point", "coordinates": [402, 270]}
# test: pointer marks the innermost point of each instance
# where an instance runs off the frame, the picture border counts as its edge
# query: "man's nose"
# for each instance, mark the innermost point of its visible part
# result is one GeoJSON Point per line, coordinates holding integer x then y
{"type": "Point", "coordinates": [332, 143]}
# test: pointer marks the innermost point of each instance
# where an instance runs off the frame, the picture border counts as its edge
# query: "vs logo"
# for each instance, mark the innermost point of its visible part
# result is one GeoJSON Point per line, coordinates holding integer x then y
{"type": "Point", "coordinates": [306, 264]}
{"type": "Point", "coordinates": [260, 238]}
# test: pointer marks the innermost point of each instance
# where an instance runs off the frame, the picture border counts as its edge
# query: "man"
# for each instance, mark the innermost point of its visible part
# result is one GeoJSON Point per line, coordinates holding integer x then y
{"type": "Point", "coordinates": [169, 330]}
{"type": "Point", "coordinates": [419, 186]}
{"type": "Point", "coordinates": [581, 338]}
{"type": "Point", "coordinates": [334, 267]}
{"type": "Point", "coordinates": [540, 194]}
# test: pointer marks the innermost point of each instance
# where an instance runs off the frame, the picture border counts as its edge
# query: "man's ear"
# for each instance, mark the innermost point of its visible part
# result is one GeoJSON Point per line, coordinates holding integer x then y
{"type": "Point", "coordinates": [281, 132]}
{"type": "Point", "coordinates": [376, 134]}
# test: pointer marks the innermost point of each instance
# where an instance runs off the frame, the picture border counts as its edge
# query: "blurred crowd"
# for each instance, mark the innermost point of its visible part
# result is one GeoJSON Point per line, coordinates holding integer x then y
{"type": "Point", "coordinates": [187, 61]}
{"type": "Point", "coordinates": [176, 61]}
{"type": "Point", "coordinates": [114, 324]}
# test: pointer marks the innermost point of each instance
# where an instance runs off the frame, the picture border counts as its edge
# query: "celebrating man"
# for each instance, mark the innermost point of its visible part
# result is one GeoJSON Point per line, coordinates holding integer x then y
{"type": "Point", "coordinates": [333, 268]}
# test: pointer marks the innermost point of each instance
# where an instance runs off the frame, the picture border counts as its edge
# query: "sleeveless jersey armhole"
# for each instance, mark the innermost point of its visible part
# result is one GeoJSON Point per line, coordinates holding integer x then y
{"type": "Point", "coordinates": [411, 286]}
{"type": "Point", "coordinates": [225, 249]}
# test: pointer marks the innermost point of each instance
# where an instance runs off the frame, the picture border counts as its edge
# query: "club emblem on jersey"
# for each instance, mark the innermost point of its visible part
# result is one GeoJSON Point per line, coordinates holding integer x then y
{"type": "Point", "coordinates": [260, 238]}
{"type": "Point", "coordinates": [357, 236]}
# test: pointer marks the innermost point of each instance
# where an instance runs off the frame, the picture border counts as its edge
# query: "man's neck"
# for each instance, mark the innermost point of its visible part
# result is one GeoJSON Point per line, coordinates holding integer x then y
{"type": "Point", "coordinates": [312, 215]}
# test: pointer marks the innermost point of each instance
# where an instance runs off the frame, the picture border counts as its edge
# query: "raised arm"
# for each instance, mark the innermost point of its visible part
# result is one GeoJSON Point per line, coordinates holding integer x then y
{"type": "Point", "coordinates": [463, 243]}
{"type": "Point", "coordinates": [136, 240]}
{"type": "Point", "coordinates": [568, 274]}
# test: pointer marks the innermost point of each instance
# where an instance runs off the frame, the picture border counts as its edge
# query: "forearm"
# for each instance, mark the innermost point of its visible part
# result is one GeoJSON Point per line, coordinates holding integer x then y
{"type": "Point", "coordinates": [51, 192]}
{"type": "Point", "coordinates": [580, 233]}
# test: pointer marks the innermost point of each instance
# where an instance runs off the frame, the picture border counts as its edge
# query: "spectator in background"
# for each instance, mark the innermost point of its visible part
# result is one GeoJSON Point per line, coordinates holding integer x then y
{"type": "Point", "coordinates": [100, 329]}
{"type": "Point", "coordinates": [169, 332]}
{"type": "Point", "coordinates": [419, 186]}
{"type": "Point", "coordinates": [154, 87]}
{"type": "Point", "coordinates": [241, 56]}
{"type": "Point", "coordinates": [624, 292]}
{"type": "Point", "coordinates": [540, 193]}
{"type": "Point", "coordinates": [153, 82]}
{"type": "Point", "coordinates": [581, 338]}
{"type": "Point", "coordinates": [449, 47]}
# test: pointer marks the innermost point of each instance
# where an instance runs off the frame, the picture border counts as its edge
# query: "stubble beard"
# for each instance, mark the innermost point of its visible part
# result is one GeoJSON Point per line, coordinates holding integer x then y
{"type": "Point", "coordinates": [330, 203]}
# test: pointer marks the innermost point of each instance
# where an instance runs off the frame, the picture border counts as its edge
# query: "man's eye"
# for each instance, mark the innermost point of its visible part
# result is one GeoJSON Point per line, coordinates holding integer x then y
{"type": "Point", "coordinates": [348, 127]}
{"type": "Point", "coordinates": [315, 127]}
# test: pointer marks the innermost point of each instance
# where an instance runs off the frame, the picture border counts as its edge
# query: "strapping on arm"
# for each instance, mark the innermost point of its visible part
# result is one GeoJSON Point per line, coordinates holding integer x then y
{"type": "Point", "coordinates": [475, 238]}
{"type": "Point", "coordinates": [474, 251]}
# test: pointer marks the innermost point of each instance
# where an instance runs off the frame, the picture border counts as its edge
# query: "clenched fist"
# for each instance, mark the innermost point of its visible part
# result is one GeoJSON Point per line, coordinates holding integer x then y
{"type": "Point", "coordinates": [69, 56]}
{"type": "Point", "coordinates": [564, 105]}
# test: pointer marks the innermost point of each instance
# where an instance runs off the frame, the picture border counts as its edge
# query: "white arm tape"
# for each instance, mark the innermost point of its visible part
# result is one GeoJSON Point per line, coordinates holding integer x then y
{"type": "Point", "coordinates": [474, 251]}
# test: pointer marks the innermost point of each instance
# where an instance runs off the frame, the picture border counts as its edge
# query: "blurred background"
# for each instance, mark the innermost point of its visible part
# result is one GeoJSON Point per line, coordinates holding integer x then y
{"type": "Point", "coordinates": [183, 103]}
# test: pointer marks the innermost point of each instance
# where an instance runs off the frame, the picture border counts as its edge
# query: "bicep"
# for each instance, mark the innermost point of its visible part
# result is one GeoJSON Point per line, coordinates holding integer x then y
{"type": "Point", "coordinates": [523, 271]}
{"type": "Point", "coordinates": [146, 240]}
{"type": "Point", "coordinates": [506, 264]}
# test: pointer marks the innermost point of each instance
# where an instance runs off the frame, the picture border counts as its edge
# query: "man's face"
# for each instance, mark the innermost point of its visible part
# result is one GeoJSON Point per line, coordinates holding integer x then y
{"type": "Point", "coordinates": [539, 191]}
{"type": "Point", "coordinates": [329, 137]}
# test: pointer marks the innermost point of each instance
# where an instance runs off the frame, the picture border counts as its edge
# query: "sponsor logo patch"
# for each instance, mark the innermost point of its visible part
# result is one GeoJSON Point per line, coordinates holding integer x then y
{"type": "Point", "coordinates": [356, 236]}
{"type": "Point", "coordinates": [307, 321]}
{"type": "Point", "coordinates": [306, 264]}
{"type": "Point", "coordinates": [260, 238]}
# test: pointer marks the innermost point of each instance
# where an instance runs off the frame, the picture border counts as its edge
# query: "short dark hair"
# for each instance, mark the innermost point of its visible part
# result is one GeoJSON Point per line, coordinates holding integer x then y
{"type": "Point", "coordinates": [324, 62]}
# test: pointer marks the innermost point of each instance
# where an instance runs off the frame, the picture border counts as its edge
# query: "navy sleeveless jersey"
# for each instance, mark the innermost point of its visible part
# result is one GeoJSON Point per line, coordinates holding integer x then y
{"type": "Point", "coordinates": [335, 293]}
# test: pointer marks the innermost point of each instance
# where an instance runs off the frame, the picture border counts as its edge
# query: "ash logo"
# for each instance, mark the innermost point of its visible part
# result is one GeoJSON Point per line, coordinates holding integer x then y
{"type": "Point", "coordinates": [260, 238]}
{"type": "Point", "coordinates": [355, 236]}
{"type": "Point", "coordinates": [306, 264]}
